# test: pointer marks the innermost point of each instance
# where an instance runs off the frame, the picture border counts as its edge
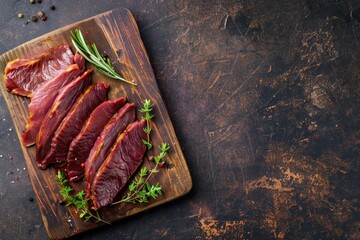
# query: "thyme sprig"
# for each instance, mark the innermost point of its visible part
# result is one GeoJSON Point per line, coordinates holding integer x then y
{"type": "Point", "coordinates": [78, 199]}
{"type": "Point", "coordinates": [91, 54]}
{"type": "Point", "coordinates": [140, 190]}
{"type": "Point", "coordinates": [146, 109]}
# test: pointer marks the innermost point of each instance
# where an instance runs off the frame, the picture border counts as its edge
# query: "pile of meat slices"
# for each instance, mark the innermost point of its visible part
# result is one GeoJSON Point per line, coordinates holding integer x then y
{"type": "Point", "coordinates": [74, 126]}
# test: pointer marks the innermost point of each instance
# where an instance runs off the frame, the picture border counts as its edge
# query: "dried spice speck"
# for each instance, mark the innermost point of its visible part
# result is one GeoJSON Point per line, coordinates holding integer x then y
{"type": "Point", "coordinates": [31, 199]}
{"type": "Point", "coordinates": [105, 55]}
{"type": "Point", "coordinates": [32, 1]}
{"type": "Point", "coordinates": [34, 19]}
{"type": "Point", "coordinates": [40, 13]}
{"type": "Point", "coordinates": [52, 7]}
{"type": "Point", "coordinates": [20, 15]}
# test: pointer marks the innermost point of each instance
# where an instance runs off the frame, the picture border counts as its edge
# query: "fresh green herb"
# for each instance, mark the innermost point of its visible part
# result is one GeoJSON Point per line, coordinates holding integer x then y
{"type": "Point", "coordinates": [91, 53]}
{"type": "Point", "coordinates": [147, 108]}
{"type": "Point", "coordinates": [140, 190]}
{"type": "Point", "coordinates": [78, 200]}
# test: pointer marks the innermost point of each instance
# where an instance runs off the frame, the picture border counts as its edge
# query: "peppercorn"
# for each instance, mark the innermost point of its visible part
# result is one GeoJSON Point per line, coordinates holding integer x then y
{"type": "Point", "coordinates": [163, 164]}
{"type": "Point", "coordinates": [105, 55]}
{"type": "Point", "coordinates": [20, 15]}
{"type": "Point", "coordinates": [39, 1]}
{"type": "Point", "coordinates": [31, 199]}
{"type": "Point", "coordinates": [44, 18]}
{"type": "Point", "coordinates": [32, 1]}
{"type": "Point", "coordinates": [40, 13]}
{"type": "Point", "coordinates": [34, 19]}
{"type": "Point", "coordinates": [52, 7]}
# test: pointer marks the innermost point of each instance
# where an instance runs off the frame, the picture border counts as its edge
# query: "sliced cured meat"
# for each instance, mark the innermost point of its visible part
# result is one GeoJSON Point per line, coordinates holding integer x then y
{"type": "Point", "coordinates": [80, 147]}
{"type": "Point", "coordinates": [24, 76]}
{"type": "Point", "coordinates": [80, 61]}
{"type": "Point", "coordinates": [73, 122]}
{"type": "Point", "coordinates": [105, 141]}
{"type": "Point", "coordinates": [43, 99]}
{"type": "Point", "coordinates": [120, 164]}
{"type": "Point", "coordinates": [61, 106]}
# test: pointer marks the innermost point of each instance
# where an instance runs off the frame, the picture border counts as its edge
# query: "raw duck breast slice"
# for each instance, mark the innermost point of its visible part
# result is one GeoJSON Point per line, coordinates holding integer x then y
{"type": "Point", "coordinates": [105, 141]}
{"type": "Point", "coordinates": [43, 99]}
{"type": "Point", "coordinates": [24, 76]}
{"type": "Point", "coordinates": [60, 108]}
{"type": "Point", "coordinates": [72, 124]}
{"type": "Point", "coordinates": [124, 158]}
{"type": "Point", "coordinates": [80, 147]}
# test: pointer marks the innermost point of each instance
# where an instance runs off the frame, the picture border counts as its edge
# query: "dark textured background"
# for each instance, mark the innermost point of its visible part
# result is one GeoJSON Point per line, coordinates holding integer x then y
{"type": "Point", "coordinates": [264, 97]}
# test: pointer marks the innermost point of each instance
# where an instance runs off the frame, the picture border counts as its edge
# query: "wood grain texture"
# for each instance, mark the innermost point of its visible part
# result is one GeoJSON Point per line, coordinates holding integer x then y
{"type": "Point", "coordinates": [116, 33]}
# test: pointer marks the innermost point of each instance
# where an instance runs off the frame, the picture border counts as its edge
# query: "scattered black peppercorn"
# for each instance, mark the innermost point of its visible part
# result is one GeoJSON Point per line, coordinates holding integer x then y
{"type": "Point", "coordinates": [31, 199]}
{"type": "Point", "coordinates": [52, 7]}
{"type": "Point", "coordinates": [39, 1]}
{"type": "Point", "coordinates": [105, 55]}
{"type": "Point", "coordinates": [34, 19]}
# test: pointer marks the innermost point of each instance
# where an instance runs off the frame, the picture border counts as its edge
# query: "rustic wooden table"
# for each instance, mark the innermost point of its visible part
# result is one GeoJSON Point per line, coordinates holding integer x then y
{"type": "Point", "coordinates": [264, 97]}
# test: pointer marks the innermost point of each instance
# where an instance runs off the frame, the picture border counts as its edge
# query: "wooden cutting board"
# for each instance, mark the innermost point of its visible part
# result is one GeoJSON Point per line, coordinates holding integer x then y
{"type": "Point", "coordinates": [116, 33]}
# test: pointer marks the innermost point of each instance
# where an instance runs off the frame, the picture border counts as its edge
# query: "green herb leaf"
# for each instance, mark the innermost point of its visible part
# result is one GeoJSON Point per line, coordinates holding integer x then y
{"type": "Point", "coordinates": [77, 199]}
{"type": "Point", "coordinates": [146, 109]}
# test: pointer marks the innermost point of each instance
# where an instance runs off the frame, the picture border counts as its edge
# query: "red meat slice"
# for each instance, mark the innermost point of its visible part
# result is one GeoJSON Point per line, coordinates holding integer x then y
{"type": "Point", "coordinates": [61, 106]}
{"type": "Point", "coordinates": [24, 76]}
{"type": "Point", "coordinates": [105, 141]}
{"type": "Point", "coordinates": [80, 147]}
{"type": "Point", "coordinates": [123, 159]}
{"type": "Point", "coordinates": [73, 122]}
{"type": "Point", "coordinates": [43, 99]}
{"type": "Point", "coordinates": [80, 61]}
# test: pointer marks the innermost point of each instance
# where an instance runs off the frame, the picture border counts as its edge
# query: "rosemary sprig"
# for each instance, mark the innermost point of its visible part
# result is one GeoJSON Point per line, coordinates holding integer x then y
{"type": "Point", "coordinates": [91, 54]}
{"type": "Point", "coordinates": [77, 200]}
{"type": "Point", "coordinates": [147, 108]}
{"type": "Point", "coordinates": [140, 190]}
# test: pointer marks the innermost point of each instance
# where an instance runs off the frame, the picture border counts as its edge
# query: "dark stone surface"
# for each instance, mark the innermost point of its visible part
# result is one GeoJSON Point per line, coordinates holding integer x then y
{"type": "Point", "coordinates": [264, 97]}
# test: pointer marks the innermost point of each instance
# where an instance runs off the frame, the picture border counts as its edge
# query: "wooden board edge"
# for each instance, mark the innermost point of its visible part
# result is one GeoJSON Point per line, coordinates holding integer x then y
{"type": "Point", "coordinates": [186, 191]}
{"type": "Point", "coordinates": [27, 160]}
